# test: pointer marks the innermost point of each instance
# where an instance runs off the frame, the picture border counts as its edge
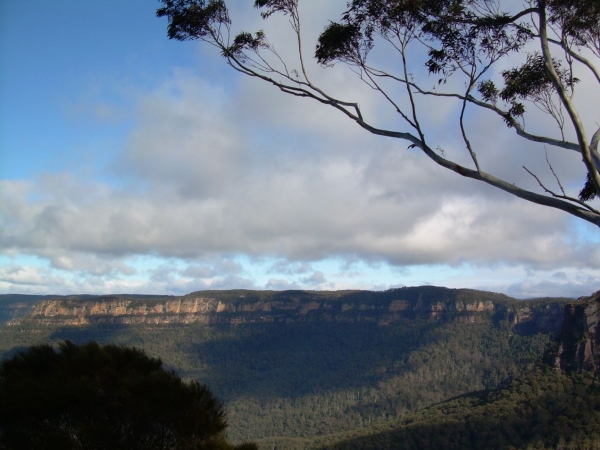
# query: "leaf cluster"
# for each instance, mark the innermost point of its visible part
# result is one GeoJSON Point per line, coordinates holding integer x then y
{"type": "Point", "coordinates": [579, 20]}
{"type": "Point", "coordinates": [455, 32]}
{"type": "Point", "coordinates": [588, 192]}
{"type": "Point", "coordinates": [526, 82]}
{"type": "Point", "coordinates": [245, 41]}
{"type": "Point", "coordinates": [271, 7]}
{"type": "Point", "coordinates": [193, 19]}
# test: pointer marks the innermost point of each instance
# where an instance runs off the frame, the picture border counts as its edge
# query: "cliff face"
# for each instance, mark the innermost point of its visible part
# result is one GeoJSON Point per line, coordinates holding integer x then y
{"type": "Point", "coordinates": [210, 310]}
{"type": "Point", "coordinates": [237, 307]}
{"type": "Point", "coordinates": [578, 346]}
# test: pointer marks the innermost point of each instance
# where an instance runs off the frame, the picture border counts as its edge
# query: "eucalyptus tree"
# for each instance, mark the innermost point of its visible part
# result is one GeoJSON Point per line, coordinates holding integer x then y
{"type": "Point", "coordinates": [465, 41]}
{"type": "Point", "coordinates": [104, 397]}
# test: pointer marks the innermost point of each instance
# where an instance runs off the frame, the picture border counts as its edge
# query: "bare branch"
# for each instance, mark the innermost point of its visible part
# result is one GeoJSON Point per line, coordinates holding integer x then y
{"type": "Point", "coordinates": [462, 125]}
{"type": "Point", "coordinates": [586, 62]}
{"type": "Point", "coordinates": [390, 100]}
{"type": "Point", "coordinates": [554, 173]}
{"type": "Point", "coordinates": [574, 116]}
{"type": "Point", "coordinates": [412, 100]}
{"type": "Point", "coordinates": [563, 196]}
{"type": "Point", "coordinates": [518, 128]}
{"type": "Point", "coordinates": [583, 211]}
{"type": "Point", "coordinates": [594, 148]}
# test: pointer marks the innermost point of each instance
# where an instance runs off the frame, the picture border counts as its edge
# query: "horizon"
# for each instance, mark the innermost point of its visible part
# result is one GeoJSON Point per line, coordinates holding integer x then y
{"type": "Point", "coordinates": [123, 294]}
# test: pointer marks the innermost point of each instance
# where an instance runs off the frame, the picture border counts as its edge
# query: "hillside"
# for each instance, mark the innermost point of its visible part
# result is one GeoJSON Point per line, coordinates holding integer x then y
{"type": "Point", "coordinates": [297, 367]}
{"type": "Point", "coordinates": [555, 406]}
{"type": "Point", "coordinates": [542, 409]}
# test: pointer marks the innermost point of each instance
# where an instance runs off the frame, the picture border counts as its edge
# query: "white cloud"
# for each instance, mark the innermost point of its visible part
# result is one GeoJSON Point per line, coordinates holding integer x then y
{"type": "Point", "coordinates": [217, 169]}
{"type": "Point", "coordinates": [317, 278]}
{"type": "Point", "coordinates": [290, 267]}
{"type": "Point", "coordinates": [21, 275]}
{"type": "Point", "coordinates": [276, 284]}
{"type": "Point", "coordinates": [197, 186]}
{"type": "Point", "coordinates": [573, 288]}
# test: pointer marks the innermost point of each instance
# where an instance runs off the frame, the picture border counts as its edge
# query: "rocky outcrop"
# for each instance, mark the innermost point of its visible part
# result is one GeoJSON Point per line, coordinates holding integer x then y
{"type": "Point", "coordinates": [80, 312]}
{"type": "Point", "coordinates": [237, 307]}
{"type": "Point", "coordinates": [577, 348]}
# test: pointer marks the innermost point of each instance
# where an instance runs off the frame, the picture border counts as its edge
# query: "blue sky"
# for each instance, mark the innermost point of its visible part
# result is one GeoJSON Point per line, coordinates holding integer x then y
{"type": "Point", "coordinates": [131, 163]}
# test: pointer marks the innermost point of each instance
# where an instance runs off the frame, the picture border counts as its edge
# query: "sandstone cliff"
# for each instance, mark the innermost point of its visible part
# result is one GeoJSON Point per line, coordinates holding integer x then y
{"type": "Point", "coordinates": [577, 348]}
{"type": "Point", "coordinates": [237, 307]}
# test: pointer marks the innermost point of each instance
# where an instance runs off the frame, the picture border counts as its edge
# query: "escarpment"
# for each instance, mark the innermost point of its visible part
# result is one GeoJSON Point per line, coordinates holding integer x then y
{"type": "Point", "coordinates": [577, 348]}
{"type": "Point", "coordinates": [239, 306]}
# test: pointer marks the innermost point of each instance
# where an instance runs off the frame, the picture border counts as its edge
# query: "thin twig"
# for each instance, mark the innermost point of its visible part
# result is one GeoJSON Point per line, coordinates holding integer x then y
{"type": "Point", "coordinates": [563, 197]}
{"type": "Point", "coordinates": [554, 173]}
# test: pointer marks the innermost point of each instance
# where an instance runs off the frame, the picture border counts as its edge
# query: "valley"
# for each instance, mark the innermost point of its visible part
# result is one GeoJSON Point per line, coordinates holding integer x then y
{"type": "Point", "coordinates": [301, 369]}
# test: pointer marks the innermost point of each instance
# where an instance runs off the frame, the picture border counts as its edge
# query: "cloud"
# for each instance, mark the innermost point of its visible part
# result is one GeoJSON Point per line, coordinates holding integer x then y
{"type": "Point", "coordinates": [290, 267]}
{"type": "Point", "coordinates": [21, 275]}
{"type": "Point", "coordinates": [26, 279]}
{"type": "Point", "coordinates": [215, 170]}
{"type": "Point", "coordinates": [572, 288]}
{"type": "Point", "coordinates": [275, 284]}
{"type": "Point", "coordinates": [195, 186]}
{"type": "Point", "coordinates": [216, 267]}
{"type": "Point", "coordinates": [233, 282]}
{"type": "Point", "coordinates": [317, 278]}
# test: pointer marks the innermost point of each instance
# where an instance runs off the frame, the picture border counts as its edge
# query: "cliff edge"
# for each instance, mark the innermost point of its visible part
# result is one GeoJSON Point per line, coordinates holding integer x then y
{"type": "Point", "coordinates": [577, 347]}
{"type": "Point", "coordinates": [238, 307]}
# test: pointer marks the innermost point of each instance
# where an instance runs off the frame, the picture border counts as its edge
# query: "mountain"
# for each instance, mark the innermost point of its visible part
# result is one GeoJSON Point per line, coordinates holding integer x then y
{"type": "Point", "coordinates": [298, 368]}
{"type": "Point", "coordinates": [244, 306]}
{"type": "Point", "coordinates": [554, 406]}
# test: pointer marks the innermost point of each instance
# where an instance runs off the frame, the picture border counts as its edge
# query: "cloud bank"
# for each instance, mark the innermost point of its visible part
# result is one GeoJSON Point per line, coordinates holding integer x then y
{"type": "Point", "coordinates": [214, 173]}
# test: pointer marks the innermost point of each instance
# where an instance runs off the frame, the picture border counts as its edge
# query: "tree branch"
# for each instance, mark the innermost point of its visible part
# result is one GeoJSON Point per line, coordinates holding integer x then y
{"type": "Point", "coordinates": [462, 127]}
{"type": "Point", "coordinates": [577, 57]}
{"type": "Point", "coordinates": [261, 68]}
{"type": "Point", "coordinates": [518, 128]}
{"type": "Point", "coordinates": [574, 116]}
{"type": "Point", "coordinates": [563, 196]}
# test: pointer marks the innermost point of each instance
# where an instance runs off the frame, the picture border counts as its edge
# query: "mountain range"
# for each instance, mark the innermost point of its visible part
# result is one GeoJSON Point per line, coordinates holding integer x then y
{"type": "Point", "coordinates": [345, 369]}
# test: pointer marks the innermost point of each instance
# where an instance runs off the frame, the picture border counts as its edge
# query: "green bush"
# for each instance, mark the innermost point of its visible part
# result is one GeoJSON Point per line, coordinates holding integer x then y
{"type": "Point", "coordinates": [104, 397]}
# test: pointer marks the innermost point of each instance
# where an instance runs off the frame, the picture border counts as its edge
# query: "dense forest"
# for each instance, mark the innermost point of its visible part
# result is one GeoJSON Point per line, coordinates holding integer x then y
{"type": "Point", "coordinates": [305, 384]}
{"type": "Point", "coordinates": [541, 409]}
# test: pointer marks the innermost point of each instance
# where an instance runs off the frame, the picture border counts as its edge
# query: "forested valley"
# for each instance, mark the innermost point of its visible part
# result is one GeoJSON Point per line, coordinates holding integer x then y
{"type": "Point", "coordinates": [303, 382]}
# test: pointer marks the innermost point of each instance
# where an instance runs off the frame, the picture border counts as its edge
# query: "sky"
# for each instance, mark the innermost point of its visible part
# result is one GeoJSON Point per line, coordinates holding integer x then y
{"type": "Point", "coordinates": [134, 164]}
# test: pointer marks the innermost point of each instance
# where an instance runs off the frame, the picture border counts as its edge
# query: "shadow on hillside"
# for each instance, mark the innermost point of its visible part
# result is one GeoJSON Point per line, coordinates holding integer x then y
{"type": "Point", "coordinates": [13, 306]}
{"type": "Point", "coordinates": [102, 333]}
{"type": "Point", "coordinates": [458, 436]}
{"type": "Point", "coordinates": [291, 360]}
{"type": "Point", "coordinates": [550, 415]}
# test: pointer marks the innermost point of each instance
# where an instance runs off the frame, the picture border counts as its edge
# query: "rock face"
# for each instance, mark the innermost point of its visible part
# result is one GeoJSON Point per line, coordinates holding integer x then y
{"type": "Point", "coordinates": [237, 307]}
{"type": "Point", "coordinates": [577, 348]}
{"type": "Point", "coordinates": [119, 310]}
